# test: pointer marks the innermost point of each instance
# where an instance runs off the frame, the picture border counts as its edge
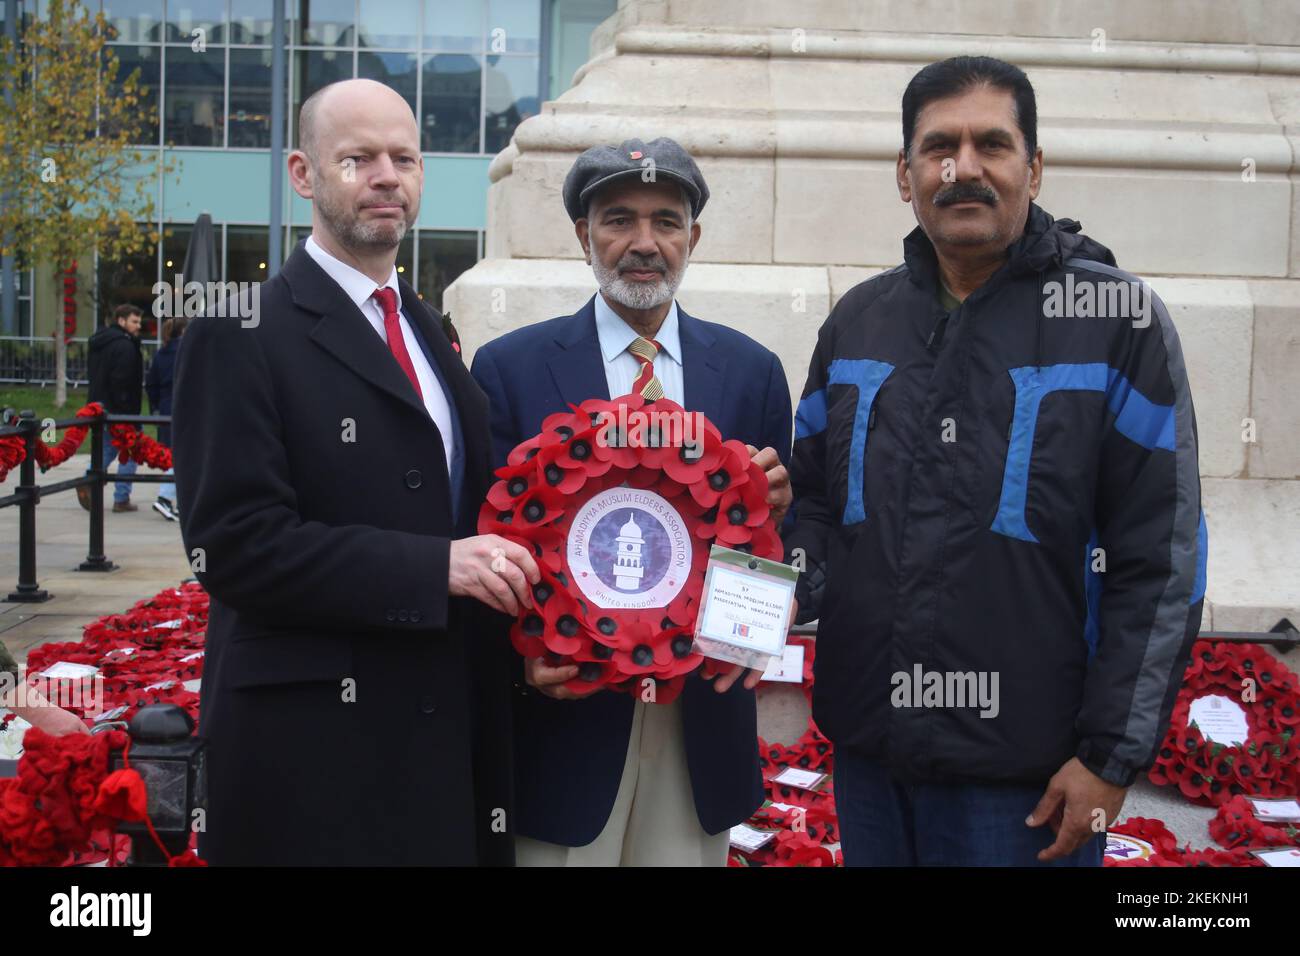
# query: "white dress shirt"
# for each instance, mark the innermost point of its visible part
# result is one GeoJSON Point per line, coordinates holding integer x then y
{"type": "Point", "coordinates": [360, 288]}
{"type": "Point", "coordinates": [622, 367]}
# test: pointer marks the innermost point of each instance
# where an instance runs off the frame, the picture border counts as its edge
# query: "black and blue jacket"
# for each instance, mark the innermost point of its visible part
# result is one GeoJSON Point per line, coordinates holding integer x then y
{"type": "Point", "coordinates": [1012, 489]}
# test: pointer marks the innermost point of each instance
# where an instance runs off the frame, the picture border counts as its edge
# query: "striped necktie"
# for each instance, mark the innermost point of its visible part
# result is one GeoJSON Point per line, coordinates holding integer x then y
{"type": "Point", "coordinates": [646, 384]}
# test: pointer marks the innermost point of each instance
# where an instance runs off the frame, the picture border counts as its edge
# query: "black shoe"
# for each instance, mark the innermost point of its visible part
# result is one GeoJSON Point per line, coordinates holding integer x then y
{"type": "Point", "coordinates": [164, 508]}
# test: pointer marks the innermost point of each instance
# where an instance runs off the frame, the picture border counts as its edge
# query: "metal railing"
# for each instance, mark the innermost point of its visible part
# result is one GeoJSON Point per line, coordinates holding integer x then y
{"type": "Point", "coordinates": [28, 494]}
{"type": "Point", "coordinates": [30, 360]}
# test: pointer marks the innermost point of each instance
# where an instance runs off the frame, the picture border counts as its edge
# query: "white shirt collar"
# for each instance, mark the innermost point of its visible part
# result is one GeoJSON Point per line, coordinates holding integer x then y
{"type": "Point", "coordinates": [358, 286]}
{"type": "Point", "coordinates": [616, 335]}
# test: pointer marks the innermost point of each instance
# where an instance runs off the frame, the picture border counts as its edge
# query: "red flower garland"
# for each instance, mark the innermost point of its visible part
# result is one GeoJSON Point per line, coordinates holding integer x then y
{"type": "Point", "coordinates": [1211, 774]}
{"type": "Point", "coordinates": [70, 302]}
{"type": "Point", "coordinates": [73, 436]}
{"type": "Point", "coordinates": [64, 799]}
{"type": "Point", "coordinates": [134, 444]}
{"type": "Point", "coordinates": [53, 806]}
{"type": "Point", "coordinates": [720, 495]}
{"type": "Point", "coordinates": [131, 442]}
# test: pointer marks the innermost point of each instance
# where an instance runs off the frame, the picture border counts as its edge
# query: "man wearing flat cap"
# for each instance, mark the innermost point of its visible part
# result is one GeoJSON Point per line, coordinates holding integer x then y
{"type": "Point", "coordinates": [605, 778]}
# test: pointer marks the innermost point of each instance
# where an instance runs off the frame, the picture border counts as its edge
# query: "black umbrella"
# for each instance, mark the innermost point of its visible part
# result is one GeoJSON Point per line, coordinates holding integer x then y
{"type": "Point", "coordinates": [201, 256]}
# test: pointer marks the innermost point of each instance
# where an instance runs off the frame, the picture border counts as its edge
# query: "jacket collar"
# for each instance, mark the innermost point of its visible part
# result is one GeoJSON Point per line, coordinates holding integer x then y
{"type": "Point", "coordinates": [345, 333]}
{"type": "Point", "coordinates": [579, 369]}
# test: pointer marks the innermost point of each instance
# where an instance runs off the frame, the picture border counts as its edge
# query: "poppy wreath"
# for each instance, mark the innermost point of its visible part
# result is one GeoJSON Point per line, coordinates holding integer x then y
{"type": "Point", "coordinates": [144, 656]}
{"type": "Point", "coordinates": [719, 493]}
{"type": "Point", "coordinates": [1235, 825]}
{"type": "Point", "coordinates": [807, 824]}
{"type": "Point", "coordinates": [1265, 764]}
{"type": "Point", "coordinates": [1164, 850]}
{"type": "Point", "coordinates": [809, 645]}
{"type": "Point", "coordinates": [1161, 840]}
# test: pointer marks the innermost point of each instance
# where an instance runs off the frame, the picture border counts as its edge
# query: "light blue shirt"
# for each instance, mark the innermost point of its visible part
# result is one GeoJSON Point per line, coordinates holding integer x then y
{"type": "Point", "coordinates": [621, 366]}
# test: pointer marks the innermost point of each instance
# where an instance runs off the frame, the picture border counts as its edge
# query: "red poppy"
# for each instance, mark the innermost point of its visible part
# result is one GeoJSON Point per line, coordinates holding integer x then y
{"type": "Point", "coordinates": [732, 470]}
{"type": "Point", "coordinates": [539, 507]}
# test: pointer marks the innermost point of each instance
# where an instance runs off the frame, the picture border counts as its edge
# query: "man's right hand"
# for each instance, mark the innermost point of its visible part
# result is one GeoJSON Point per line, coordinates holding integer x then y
{"type": "Point", "coordinates": [471, 573]}
{"type": "Point", "coordinates": [550, 680]}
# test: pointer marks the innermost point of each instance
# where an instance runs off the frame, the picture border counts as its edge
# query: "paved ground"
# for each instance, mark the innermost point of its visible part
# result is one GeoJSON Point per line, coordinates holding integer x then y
{"type": "Point", "coordinates": [146, 547]}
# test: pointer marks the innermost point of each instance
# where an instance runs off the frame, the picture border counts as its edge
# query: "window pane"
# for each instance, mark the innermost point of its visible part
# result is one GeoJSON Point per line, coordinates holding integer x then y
{"type": "Point", "coordinates": [327, 22]}
{"type": "Point", "coordinates": [185, 16]}
{"type": "Point", "coordinates": [453, 27]}
{"type": "Point", "coordinates": [392, 69]}
{"type": "Point", "coordinates": [195, 91]}
{"type": "Point", "coordinates": [146, 59]}
{"type": "Point", "coordinates": [134, 21]}
{"type": "Point", "coordinates": [510, 99]}
{"type": "Point", "coordinates": [128, 279]}
{"type": "Point", "coordinates": [390, 23]}
{"type": "Point", "coordinates": [250, 99]}
{"type": "Point", "coordinates": [406, 257]}
{"type": "Point", "coordinates": [443, 257]}
{"type": "Point", "coordinates": [514, 26]}
{"type": "Point", "coordinates": [296, 235]}
{"type": "Point", "coordinates": [450, 111]}
{"type": "Point", "coordinates": [246, 251]}
{"type": "Point", "coordinates": [313, 70]}
{"type": "Point", "coordinates": [250, 20]}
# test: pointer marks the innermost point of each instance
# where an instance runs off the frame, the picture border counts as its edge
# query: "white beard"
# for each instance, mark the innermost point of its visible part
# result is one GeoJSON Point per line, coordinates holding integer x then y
{"type": "Point", "coordinates": [637, 295]}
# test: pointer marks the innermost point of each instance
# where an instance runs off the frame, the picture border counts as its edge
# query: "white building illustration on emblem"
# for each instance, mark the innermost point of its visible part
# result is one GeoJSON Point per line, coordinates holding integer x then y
{"type": "Point", "coordinates": [627, 563]}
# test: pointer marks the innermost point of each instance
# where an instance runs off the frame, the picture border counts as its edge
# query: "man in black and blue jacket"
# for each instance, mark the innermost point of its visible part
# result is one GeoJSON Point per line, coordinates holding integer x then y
{"type": "Point", "coordinates": [997, 509]}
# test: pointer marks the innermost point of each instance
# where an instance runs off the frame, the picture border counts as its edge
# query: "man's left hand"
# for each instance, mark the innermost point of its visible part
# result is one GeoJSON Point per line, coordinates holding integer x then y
{"type": "Point", "coordinates": [779, 494]}
{"type": "Point", "coordinates": [1070, 805]}
{"type": "Point", "coordinates": [724, 681]}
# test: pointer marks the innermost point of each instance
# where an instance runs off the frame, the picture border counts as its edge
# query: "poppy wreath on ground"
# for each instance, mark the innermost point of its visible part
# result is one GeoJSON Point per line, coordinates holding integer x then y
{"type": "Point", "coordinates": [1139, 841]}
{"type": "Point", "coordinates": [809, 645]}
{"type": "Point", "coordinates": [144, 656]}
{"type": "Point", "coordinates": [1223, 675]}
{"type": "Point", "coordinates": [1236, 825]}
{"type": "Point", "coordinates": [619, 598]}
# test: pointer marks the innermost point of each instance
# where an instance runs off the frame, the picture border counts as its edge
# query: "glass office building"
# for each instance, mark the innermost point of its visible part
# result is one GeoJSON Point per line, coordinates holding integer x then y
{"type": "Point", "coordinates": [471, 70]}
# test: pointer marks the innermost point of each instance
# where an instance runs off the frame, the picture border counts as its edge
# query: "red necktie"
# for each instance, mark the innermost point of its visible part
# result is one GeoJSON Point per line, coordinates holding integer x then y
{"type": "Point", "coordinates": [393, 332]}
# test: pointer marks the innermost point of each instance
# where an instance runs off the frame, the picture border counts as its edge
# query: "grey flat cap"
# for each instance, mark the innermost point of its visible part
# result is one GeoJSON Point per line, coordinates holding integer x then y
{"type": "Point", "coordinates": [602, 165]}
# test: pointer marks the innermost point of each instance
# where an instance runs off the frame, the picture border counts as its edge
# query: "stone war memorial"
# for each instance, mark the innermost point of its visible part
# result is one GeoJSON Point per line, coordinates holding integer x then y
{"type": "Point", "coordinates": [836, 434]}
{"type": "Point", "coordinates": [1171, 138]}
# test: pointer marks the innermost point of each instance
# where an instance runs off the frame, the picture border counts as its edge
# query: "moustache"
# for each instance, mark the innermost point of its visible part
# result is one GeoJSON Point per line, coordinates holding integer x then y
{"type": "Point", "coordinates": [965, 192]}
{"type": "Point", "coordinates": [637, 264]}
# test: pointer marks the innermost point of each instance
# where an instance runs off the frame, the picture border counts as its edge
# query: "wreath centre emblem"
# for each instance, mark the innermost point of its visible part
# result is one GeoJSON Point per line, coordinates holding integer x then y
{"type": "Point", "coordinates": [629, 548]}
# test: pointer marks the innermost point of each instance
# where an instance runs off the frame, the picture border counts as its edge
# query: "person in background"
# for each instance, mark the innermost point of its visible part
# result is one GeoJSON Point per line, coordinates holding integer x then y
{"type": "Point", "coordinates": [158, 386]}
{"type": "Point", "coordinates": [116, 372]}
{"type": "Point", "coordinates": [37, 711]}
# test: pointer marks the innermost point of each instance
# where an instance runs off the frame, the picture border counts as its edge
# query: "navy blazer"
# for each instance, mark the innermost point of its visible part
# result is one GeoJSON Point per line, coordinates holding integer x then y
{"type": "Point", "coordinates": [569, 754]}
